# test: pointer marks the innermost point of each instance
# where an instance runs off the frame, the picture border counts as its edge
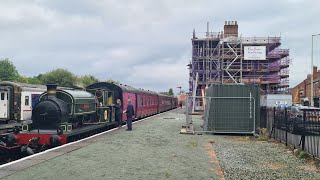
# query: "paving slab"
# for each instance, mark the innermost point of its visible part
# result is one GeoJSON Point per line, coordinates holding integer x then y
{"type": "Point", "coordinates": [48, 156]}
{"type": "Point", "coordinates": [67, 149]}
{"type": "Point", "coordinates": [23, 165]}
{"type": "Point", "coordinates": [4, 173]}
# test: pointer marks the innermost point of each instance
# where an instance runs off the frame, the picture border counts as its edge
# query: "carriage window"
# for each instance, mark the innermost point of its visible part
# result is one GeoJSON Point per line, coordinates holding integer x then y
{"type": "Point", "coordinates": [141, 101]}
{"type": "Point", "coordinates": [2, 96]}
{"type": "Point", "coordinates": [26, 101]}
{"type": "Point", "coordinates": [110, 98]}
{"type": "Point", "coordinates": [105, 97]}
{"type": "Point", "coordinates": [99, 95]}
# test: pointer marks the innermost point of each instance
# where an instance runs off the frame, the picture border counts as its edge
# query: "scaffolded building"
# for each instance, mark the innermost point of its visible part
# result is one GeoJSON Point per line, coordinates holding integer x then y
{"type": "Point", "coordinates": [218, 58]}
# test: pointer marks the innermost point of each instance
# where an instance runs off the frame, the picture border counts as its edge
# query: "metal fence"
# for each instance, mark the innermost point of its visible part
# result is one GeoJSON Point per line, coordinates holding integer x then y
{"type": "Point", "coordinates": [224, 114]}
{"type": "Point", "coordinates": [232, 115]}
{"type": "Point", "coordinates": [300, 131]}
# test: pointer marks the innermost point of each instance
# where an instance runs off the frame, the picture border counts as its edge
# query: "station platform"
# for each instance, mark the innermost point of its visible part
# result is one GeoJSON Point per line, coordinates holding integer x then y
{"type": "Point", "coordinates": [154, 149]}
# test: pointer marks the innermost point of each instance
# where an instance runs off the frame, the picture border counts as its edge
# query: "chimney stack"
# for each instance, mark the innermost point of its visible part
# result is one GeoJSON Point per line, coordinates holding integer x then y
{"type": "Point", "coordinates": [52, 90]}
{"type": "Point", "coordinates": [231, 28]}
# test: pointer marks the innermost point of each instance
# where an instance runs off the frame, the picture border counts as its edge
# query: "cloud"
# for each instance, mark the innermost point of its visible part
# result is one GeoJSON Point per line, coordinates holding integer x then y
{"type": "Point", "coordinates": [140, 42]}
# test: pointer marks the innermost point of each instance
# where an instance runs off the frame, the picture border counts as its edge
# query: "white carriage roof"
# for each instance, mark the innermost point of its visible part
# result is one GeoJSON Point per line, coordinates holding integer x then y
{"type": "Point", "coordinates": [22, 85]}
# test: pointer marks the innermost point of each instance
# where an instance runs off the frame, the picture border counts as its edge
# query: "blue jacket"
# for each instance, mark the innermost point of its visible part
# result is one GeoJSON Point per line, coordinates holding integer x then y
{"type": "Point", "coordinates": [130, 110]}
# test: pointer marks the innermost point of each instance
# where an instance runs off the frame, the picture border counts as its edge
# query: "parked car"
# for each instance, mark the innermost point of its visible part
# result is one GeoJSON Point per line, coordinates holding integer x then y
{"type": "Point", "coordinates": [296, 123]}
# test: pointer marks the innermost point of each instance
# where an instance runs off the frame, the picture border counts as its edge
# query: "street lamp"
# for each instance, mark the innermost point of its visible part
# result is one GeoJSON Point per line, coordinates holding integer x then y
{"type": "Point", "coordinates": [311, 83]}
{"type": "Point", "coordinates": [180, 89]}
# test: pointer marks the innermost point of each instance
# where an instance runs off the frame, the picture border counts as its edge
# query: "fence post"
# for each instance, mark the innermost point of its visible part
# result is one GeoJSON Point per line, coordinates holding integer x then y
{"type": "Point", "coordinates": [286, 119]}
{"type": "Point", "coordinates": [274, 123]}
{"type": "Point", "coordinates": [303, 138]}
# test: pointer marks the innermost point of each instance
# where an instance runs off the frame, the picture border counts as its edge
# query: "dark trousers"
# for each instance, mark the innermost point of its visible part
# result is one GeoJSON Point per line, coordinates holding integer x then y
{"type": "Point", "coordinates": [129, 122]}
{"type": "Point", "coordinates": [119, 119]}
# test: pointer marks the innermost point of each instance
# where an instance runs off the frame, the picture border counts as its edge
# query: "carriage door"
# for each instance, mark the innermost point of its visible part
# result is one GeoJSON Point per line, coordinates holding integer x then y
{"type": "Point", "coordinates": [26, 106]}
{"type": "Point", "coordinates": [4, 103]}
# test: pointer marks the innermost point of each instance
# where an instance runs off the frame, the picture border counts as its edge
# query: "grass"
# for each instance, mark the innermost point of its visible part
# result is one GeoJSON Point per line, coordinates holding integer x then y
{"type": "Point", "coordinates": [167, 174]}
{"type": "Point", "coordinates": [302, 155]}
{"type": "Point", "coordinates": [193, 144]}
{"type": "Point", "coordinates": [263, 135]}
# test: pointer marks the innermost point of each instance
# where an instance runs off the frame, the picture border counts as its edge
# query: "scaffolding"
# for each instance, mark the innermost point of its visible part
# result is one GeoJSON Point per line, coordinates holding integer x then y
{"type": "Point", "coordinates": [218, 58]}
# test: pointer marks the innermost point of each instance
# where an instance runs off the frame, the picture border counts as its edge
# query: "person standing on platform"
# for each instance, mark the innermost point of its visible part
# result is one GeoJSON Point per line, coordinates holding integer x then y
{"type": "Point", "coordinates": [118, 113]}
{"type": "Point", "coordinates": [130, 113]}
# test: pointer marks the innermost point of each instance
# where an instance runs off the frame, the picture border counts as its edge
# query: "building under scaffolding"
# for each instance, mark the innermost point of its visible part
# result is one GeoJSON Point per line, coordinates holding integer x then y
{"type": "Point", "coordinates": [222, 58]}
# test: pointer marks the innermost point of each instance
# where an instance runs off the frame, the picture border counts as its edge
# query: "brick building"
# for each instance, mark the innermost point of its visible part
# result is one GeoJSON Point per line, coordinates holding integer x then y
{"type": "Point", "coordinates": [301, 93]}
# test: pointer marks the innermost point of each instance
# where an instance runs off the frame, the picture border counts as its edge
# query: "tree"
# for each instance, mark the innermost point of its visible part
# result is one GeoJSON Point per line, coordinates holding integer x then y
{"type": "Point", "coordinates": [8, 71]}
{"type": "Point", "coordinates": [112, 81]}
{"type": "Point", "coordinates": [165, 93]}
{"type": "Point", "coordinates": [29, 80]}
{"type": "Point", "coordinates": [170, 93]}
{"type": "Point", "coordinates": [86, 80]}
{"type": "Point", "coordinates": [62, 77]}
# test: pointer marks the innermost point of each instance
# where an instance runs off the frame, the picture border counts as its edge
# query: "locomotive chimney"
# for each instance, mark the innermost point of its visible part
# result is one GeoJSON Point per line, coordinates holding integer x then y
{"type": "Point", "coordinates": [52, 90]}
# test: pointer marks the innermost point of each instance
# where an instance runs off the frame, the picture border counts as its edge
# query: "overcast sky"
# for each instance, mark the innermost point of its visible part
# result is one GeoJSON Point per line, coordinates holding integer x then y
{"type": "Point", "coordinates": [144, 43]}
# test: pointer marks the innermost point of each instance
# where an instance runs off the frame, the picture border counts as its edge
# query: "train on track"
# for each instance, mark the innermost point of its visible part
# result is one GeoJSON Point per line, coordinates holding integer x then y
{"type": "Point", "coordinates": [65, 115]}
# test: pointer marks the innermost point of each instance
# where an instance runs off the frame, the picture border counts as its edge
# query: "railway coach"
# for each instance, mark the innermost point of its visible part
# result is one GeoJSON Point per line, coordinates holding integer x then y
{"type": "Point", "coordinates": [145, 102]}
{"type": "Point", "coordinates": [17, 100]}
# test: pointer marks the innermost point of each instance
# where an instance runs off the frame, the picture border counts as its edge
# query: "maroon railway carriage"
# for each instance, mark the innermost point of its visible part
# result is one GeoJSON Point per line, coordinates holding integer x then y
{"type": "Point", "coordinates": [165, 102]}
{"type": "Point", "coordinates": [145, 103]}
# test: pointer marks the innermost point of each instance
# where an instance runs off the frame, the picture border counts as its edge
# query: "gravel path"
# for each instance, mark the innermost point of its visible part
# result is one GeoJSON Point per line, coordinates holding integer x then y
{"type": "Point", "coordinates": [241, 158]}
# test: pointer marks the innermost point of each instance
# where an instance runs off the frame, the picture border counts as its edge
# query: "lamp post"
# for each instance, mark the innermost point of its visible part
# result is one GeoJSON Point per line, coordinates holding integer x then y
{"type": "Point", "coordinates": [311, 83]}
{"type": "Point", "coordinates": [180, 89]}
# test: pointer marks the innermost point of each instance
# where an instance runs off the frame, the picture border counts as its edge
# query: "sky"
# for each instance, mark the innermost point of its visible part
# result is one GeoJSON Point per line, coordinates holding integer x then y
{"type": "Point", "coordinates": [145, 43]}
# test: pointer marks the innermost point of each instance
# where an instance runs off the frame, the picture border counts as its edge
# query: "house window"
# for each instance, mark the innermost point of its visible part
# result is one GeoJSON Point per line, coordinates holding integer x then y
{"type": "Point", "coordinates": [26, 102]}
{"type": "Point", "coordinates": [2, 96]}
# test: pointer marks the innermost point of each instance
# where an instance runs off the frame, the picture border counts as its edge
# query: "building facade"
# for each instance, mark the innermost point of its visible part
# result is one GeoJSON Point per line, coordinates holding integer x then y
{"type": "Point", "coordinates": [222, 58]}
{"type": "Point", "coordinates": [301, 93]}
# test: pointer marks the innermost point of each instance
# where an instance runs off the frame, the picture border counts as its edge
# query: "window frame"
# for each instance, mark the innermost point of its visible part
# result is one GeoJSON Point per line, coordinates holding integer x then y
{"type": "Point", "coordinates": [26, 100]}
{"type": "Point", "coordinates": [2, 96]}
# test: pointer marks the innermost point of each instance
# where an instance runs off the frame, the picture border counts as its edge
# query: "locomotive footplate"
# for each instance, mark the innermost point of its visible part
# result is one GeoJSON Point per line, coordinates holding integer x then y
{"type": "Point", "coordinates": [90, 130]}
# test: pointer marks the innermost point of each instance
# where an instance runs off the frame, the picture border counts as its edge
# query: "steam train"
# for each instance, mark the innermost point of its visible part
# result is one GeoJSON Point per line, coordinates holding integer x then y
{"type": "Point", "coordinates": [65, 115]}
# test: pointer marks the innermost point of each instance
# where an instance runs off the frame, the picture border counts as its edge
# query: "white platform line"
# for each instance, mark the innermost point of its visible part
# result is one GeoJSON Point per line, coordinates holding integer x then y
{"type": "Point", "coordinates": [75, 142]}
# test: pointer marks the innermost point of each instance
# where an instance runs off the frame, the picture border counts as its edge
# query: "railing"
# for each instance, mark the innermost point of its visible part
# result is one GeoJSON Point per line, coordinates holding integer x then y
{"type": "Point", "coordinates": [285, 61]}
{"type": "Point", "coordinates": [278, 53]}
{"type": "Point", "coordinates": [271, 40]}
{"type": "Point", "coordinates": [284, 72]}
{"type": "Point", "coordinates": [300, 130]}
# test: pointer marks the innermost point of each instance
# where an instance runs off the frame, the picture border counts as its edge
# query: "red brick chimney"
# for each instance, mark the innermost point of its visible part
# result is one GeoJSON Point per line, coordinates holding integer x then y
{"type": "Point", "coordinates": [231, 28]}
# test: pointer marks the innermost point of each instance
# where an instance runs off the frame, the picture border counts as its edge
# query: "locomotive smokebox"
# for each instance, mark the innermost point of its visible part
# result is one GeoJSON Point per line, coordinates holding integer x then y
{"type": "Point", "coordinates": [52, 90]}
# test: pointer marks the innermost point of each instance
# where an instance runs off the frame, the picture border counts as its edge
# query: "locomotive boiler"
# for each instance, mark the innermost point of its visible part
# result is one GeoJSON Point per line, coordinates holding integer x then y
{"type": "Point", "coordinates": [63, 109]}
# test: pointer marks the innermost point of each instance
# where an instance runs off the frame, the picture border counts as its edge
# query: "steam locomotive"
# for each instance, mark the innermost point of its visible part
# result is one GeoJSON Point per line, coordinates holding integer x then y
{"type": "Point", "coordinates": [63, 116]}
